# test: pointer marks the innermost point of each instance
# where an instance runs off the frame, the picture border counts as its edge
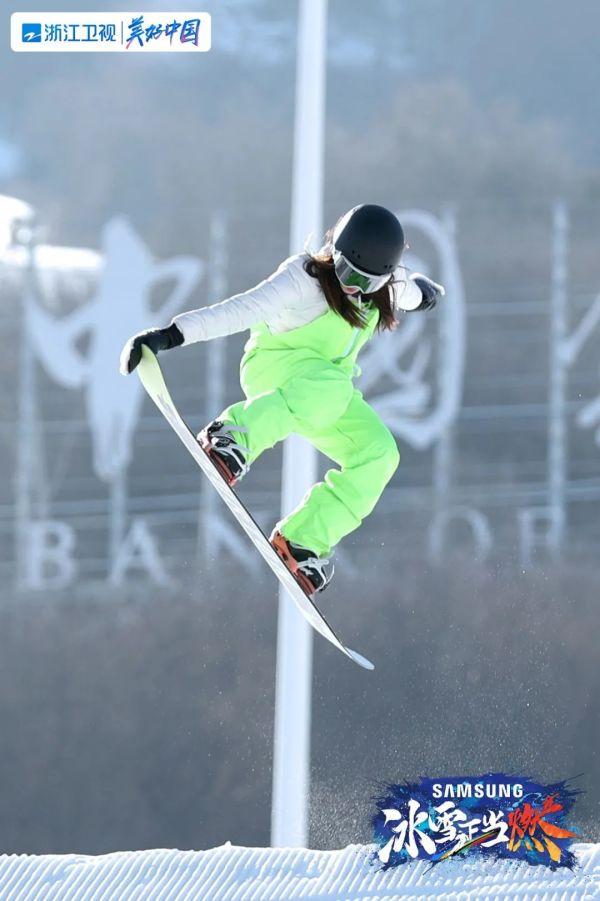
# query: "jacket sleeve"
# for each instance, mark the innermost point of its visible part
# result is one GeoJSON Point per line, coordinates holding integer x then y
{"type": "Point", "coordinates": [406, 295]}
{"type": "Point", "coordinates": [240, 312]}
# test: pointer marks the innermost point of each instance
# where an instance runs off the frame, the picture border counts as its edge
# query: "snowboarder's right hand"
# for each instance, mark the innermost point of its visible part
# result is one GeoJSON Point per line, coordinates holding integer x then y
{"type": "Point", "coordinates": [429, 289]}
{"type": "Point", "coordinates": [156, 339]}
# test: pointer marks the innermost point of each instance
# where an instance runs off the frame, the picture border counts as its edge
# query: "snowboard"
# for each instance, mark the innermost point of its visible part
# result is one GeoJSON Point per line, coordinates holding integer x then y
{"type": "Point", "coordinates": [153, 381]}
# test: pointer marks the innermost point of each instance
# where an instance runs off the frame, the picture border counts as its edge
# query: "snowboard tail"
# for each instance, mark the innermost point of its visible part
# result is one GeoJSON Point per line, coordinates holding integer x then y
{"type": "Point", "coordinates": [153, 381]}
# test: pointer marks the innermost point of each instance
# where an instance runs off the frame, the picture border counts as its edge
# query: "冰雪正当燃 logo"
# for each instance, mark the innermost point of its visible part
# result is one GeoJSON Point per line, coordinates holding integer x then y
{"type": "Point", "coordinates": [511, 817]}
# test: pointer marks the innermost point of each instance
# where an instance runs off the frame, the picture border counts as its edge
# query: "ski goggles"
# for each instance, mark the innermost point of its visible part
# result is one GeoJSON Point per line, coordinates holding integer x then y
{"type": "Point", "coordinates": [355, 280]}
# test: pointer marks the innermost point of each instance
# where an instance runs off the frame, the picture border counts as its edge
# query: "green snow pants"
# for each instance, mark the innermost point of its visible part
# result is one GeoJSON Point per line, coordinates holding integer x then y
{"type": "Point", "coordinates": [289, 393]}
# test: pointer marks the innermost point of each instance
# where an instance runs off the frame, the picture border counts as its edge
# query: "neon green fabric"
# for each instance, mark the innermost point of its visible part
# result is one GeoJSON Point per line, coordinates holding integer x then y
{"type": "Point", "coordinates": [300, 381]}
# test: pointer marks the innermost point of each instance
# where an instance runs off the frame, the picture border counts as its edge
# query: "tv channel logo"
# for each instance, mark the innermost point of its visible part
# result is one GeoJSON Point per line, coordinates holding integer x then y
{"type": "Point", "coordinates": [31, 33]}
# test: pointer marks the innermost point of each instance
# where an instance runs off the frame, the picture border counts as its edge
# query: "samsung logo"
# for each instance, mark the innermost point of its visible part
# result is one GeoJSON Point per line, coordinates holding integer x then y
{"type": "Point", "coordinates": [478, 790]}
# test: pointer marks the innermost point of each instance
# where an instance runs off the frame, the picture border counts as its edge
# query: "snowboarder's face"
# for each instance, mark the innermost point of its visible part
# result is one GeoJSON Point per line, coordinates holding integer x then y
{"type": "Point", "coordinates": [350, 290]}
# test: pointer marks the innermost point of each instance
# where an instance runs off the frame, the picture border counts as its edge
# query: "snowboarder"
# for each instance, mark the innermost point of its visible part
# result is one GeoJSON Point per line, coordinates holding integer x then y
{"type": "Point", "coordinates": [307, 322]}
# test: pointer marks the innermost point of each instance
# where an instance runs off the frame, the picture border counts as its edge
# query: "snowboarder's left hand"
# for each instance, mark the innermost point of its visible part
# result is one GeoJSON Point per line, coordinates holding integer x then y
{"type": "Point", "coordinates": [429, 289]}
{"type": "Point", "coordinates": [156, 339]}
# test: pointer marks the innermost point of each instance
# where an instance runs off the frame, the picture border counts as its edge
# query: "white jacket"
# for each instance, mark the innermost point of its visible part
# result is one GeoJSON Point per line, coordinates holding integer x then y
{"type": "Point", "coordinates": [286, 300]}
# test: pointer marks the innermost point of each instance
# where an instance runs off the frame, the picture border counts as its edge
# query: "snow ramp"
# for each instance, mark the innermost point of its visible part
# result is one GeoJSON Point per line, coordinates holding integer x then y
{"type": "Point", "coordinates": [231, 873]}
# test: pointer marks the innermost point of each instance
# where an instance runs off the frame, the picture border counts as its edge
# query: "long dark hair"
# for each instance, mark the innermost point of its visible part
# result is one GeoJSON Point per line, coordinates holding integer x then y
{"type": "Point", "coordinates": [320, 266]}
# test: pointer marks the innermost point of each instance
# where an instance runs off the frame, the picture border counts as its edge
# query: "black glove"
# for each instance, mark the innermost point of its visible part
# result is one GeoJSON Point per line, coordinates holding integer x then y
{"type": "Point", "coordinates": [429, 289]}
{"type": "Point", "coordinates": [156, 339]}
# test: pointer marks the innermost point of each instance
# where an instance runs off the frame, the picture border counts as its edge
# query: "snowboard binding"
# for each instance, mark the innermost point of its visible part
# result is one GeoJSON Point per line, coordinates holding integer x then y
{"type": "Point", "coordinates": [226, 455]}
{"type": "Point", "coordinates": [309, 570]}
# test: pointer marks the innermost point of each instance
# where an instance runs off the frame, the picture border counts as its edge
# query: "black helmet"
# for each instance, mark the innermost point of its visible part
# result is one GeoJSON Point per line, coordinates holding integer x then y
{"type": "Point", "coordinates": [370, 238]}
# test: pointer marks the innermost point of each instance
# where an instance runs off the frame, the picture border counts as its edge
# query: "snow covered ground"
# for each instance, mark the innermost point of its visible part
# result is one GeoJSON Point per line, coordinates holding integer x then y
{"type": "Point", "coordinates": [230, 873]}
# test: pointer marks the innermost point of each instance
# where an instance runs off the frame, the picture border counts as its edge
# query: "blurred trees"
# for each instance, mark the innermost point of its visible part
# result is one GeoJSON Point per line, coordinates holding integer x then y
{"type": "Point", "coordinates": [125, 140]}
